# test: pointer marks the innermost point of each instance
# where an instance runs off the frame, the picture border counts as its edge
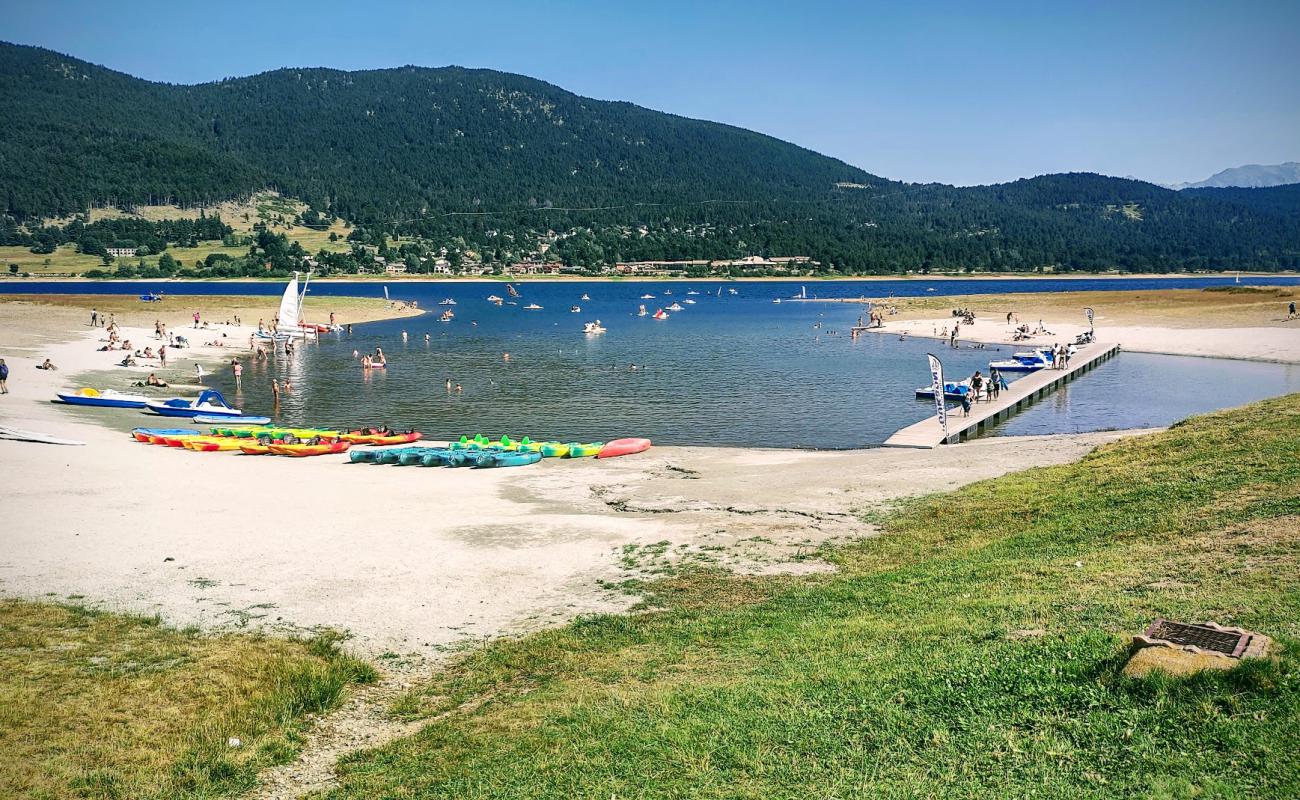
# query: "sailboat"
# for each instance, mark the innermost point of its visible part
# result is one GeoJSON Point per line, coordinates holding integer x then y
{"type": "Point", "coordinates": [288, 325]}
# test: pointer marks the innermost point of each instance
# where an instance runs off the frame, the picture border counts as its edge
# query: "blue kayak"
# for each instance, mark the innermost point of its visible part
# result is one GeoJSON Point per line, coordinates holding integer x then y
{"type": "Point", "coordinates": [511, 459]}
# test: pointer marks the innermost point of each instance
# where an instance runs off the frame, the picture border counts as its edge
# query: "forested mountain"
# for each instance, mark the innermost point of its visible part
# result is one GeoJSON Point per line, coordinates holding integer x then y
{"type": "Point", "coordinates": [488, 162]}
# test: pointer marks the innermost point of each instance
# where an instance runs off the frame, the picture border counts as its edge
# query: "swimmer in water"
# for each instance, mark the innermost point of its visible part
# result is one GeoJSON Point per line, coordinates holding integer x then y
{"type": "Point", "coordinates": [403, 335]}
{"type": "Point", "coordinates": [426, 337]}
{"type": "Point", "coordinates": [505, 356]}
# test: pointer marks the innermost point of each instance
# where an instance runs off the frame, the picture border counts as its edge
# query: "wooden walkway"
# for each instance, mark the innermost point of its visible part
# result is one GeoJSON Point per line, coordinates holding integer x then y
{"type": "Point", "coordinates": [928, 433]}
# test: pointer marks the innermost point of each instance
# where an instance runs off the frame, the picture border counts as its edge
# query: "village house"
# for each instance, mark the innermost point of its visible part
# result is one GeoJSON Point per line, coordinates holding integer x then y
{"type": "Point", "coordinates": [121, 252]}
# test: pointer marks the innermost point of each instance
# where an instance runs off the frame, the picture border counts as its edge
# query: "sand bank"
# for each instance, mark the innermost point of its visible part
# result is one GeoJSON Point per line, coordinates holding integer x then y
{"type": "Point", "coordinates": [409, 560]}
{"type": "Point", "coordinates": [1187, 322]}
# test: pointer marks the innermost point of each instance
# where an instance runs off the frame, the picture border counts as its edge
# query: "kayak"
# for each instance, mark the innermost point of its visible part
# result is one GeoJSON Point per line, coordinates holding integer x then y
{"type": "Point", "coordinates": [20, 435]}
{"type": "Point", "coordinates": [584, 450]}
{"type": "Point", "coordinates": [416, 456]}
{"type": "Point", "coordinates": [623, 447]}
{"type": "Point", "coordinates": [468, 458]}
{"type": "Point", "coordinates": [204, 419]}
{"type": "Point", "coordinates": [515, 459]}
{"type": "Point", "coordinates": [392, 456]}
{"type": "Point", "coordinates": [302, 450]}
{"type": "Point", "coordinates": [254, 449]}
{"type": "Point", "coordinates": [554, 449]}
{"type": "Point", "coordinates": [105, 399]}
{"type": "Point", "coordinates": [436, 458]}
{"type": "Point", "coordinates": [202, 444]}
{"type": "Point", "coordinates": [144, 434]}
{"type": "Point", "coordinates": [375, 438]}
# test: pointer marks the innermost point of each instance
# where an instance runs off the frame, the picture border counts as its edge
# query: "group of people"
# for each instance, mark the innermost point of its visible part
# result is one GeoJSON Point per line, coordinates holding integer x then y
{"type": "Point", "coordinates": [990, 387]}
{"type": "Point", "coordinates": [376, 360]}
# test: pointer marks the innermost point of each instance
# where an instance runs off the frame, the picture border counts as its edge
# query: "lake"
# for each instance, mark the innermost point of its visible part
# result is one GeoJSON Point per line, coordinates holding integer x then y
{"type": "Point", "coordinates": [727, 370]}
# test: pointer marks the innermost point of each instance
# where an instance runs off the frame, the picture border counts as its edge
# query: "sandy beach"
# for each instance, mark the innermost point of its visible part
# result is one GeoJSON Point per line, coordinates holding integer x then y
{"type": "Point", "coordinates": [409, 561]}
{"type": "Point", "coordinates": [1246, 325]}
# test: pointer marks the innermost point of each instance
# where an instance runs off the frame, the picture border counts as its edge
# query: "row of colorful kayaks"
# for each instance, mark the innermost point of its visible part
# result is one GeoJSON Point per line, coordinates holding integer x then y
{"type": "Point", "coordinates": [255, 441]}
{"type": "Point", "coordinates": [483, 452]}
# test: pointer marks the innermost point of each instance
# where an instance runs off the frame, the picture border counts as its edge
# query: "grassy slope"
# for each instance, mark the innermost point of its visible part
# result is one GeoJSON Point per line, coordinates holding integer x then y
{"type": "Point", "coordinates": [96, 705]}
{"type": "Point", "coordinates": [973, 650]}
{"type": "Point", "coordinates": [265, 207]}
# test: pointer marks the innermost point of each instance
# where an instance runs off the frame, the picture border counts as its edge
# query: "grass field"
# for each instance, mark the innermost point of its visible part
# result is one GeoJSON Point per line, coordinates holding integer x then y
{"type": "Point", "coordinates": [96, 705]}
{"type": "Point", "coordinates": [972, 650]}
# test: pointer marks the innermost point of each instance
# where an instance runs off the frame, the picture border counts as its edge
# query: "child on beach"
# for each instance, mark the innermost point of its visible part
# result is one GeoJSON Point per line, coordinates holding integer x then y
{"type": "Point", "coordinates": [238, 369]}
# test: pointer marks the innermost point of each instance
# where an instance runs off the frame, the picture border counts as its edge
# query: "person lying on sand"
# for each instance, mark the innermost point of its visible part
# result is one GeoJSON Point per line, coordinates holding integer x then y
{"type": "Point", "coordinates": [152, 380]}
{"type": "Point", "coordinates": [47, 365]}
{"type": "Point", "coordinates": [129, 361]}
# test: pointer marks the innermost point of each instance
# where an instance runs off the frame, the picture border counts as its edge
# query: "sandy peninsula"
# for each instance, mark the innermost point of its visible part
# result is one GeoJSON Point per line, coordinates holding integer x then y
{"type": "Point", "coordinates": [1240, 323]}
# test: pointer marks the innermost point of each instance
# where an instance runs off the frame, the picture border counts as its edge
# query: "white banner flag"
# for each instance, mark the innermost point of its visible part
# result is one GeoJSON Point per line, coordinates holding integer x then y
{"type": "Point", "coordinates": [1088, 311]}
{"type": "Point", "coordinates": [936, 381]}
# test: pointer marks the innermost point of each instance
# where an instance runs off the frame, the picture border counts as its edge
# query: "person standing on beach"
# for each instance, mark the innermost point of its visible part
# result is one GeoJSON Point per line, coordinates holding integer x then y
{"type": "Point", "coordinates": [94, 316]}
{"type": "Point", "coordinates": [162, 355]}
{"type": "Point", "coordinates": [1290, 310]}
{"type": "Point", "coordinates": [4, 377]}
{"type": "Point", "coordinates": [196, 319]}
{"type": "Point", "coordinates": [238, 369]}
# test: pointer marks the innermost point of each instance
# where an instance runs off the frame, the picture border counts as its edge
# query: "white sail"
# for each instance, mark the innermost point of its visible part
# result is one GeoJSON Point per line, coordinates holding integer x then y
{"type": "Point", "coordinates": [289, 306]}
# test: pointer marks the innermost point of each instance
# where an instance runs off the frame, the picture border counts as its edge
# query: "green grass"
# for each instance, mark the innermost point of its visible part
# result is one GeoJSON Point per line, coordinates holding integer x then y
{"type": "Point", "coordinates": [973, 650]}
{"type": "Point", "coordinates": [98, 705]}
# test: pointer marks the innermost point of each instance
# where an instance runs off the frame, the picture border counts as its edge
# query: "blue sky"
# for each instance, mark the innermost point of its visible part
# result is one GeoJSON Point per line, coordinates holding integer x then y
{"type": "Point", "coordinates": [961, 92]}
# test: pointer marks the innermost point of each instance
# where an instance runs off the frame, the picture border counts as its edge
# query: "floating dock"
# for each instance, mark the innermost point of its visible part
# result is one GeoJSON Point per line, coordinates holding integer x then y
{"type": "Point", "coordinates": [928, 433]}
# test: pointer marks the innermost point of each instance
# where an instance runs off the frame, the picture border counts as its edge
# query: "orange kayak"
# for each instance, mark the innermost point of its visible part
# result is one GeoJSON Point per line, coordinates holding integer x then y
{"type": "Point", "coordinates": [255, 449]}
{"type": "Point", "coordinates": [378, 438]}
{"type": "Point", "coordinates": [301, 450]}
{"type": "Point", "coordinates": [623, 447]}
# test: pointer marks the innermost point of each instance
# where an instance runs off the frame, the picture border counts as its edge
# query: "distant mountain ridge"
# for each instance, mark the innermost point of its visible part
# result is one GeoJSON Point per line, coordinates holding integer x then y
{"type": "Point", "coordinates": [1249, 176]}
{"type": "Point", "coordinates": [488, 161]}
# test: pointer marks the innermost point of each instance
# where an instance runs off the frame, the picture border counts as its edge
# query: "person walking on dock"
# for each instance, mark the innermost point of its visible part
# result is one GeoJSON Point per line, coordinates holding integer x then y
{"type": "Point", "coordinates": [995, 383]}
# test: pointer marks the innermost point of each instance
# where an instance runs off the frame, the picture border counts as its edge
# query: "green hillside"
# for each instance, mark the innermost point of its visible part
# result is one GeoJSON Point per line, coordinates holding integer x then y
{"type": "Point", "coordinates": [492, 162]}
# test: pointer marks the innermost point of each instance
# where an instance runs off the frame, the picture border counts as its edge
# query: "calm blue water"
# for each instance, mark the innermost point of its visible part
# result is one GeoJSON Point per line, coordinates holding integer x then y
{"type": "Point", "coordinates": [729, 370]}
{"type": "Point", "coordinates": [543, 290]}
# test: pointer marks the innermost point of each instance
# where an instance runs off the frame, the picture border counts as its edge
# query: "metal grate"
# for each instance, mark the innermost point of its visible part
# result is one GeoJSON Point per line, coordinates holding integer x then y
{"type": "Point", "coordinates": [1228, 642]}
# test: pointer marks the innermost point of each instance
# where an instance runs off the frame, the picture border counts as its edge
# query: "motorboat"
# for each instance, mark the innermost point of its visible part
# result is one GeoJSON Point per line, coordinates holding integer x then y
{"type": "Point", "coordinates": [209, 403]}
{"type": "Point", "coordinates": [105, 399]}
{"type": "Point", "coordinates": [447, 302]}
{"type": "Point", "coordinates": [692, 292]}
{"type": "Point", "coordinates": [1022, 362]}
{"type": "Point", "coordinates": [951, 391]}
{"type": "Point", "coordinates": [447, 316]}
{"type": "Point", "coordinates": [647, 297]}
{"type": "Point", "coordinates": [532, 307]}
{"type": "Point", "coordinates": [585, 296]}
{"type": "Point", "coordinates": [495, 299]}
{"type": "Point", "coordinates": [732, 291]}
{"type": "Point", "coordinates": [689, 301]}
{"type": "Point", "coordinates": [641, 312]}
{"type": "Point", "coordinates": [676, 307]}
{"type": "Point", "coordinates": [575, 309]}
{"type": "Point", "coordinates": [593, 327]}
{"type": "Point", "coordinates": [776, 300]}
{"type": "Point", "coordinates": [660, 314]}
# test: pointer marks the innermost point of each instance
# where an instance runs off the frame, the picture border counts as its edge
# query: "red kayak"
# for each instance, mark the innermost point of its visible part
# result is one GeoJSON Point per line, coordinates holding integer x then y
{"type": "Point", "coordinates": [623, 447]}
